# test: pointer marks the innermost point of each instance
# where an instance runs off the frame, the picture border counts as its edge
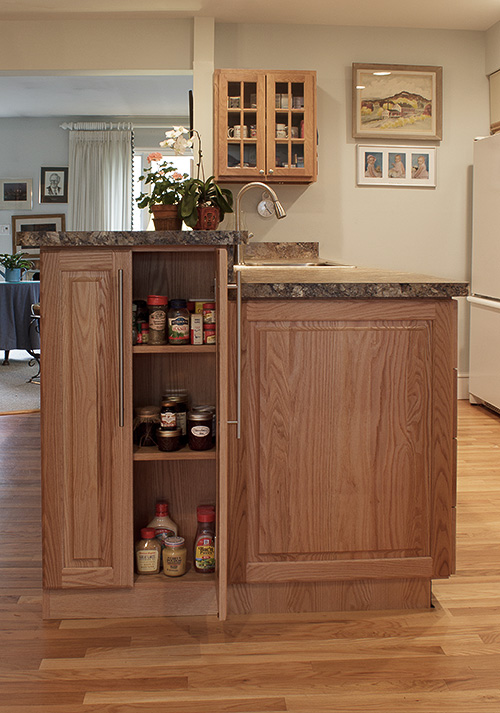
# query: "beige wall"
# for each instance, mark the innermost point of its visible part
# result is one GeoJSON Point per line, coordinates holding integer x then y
{"type": "Point", "coordinates": [492, 59]}
{"type": "Point", "coordinates": [411, 229]}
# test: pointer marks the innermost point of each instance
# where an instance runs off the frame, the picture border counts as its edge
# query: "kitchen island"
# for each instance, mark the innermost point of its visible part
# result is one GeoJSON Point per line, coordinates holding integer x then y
{"type": "Point", "coordinates": [339, 494]}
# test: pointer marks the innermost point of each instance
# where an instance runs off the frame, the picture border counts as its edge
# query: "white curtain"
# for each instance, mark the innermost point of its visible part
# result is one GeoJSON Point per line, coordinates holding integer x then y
{"type": "Point", "coordinates": [100, 177]}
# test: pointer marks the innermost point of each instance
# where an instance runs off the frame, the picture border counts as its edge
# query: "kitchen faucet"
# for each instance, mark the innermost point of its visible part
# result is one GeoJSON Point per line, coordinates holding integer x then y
{"type": "Point", "coordinates": [278, 209]}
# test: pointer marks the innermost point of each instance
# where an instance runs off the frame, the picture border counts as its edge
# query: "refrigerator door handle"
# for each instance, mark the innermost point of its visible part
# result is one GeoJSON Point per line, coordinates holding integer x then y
{"type": "Point", "coordinates": [492, 304]}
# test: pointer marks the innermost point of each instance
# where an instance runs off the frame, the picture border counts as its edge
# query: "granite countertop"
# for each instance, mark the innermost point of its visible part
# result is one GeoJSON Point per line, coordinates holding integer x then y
{"type": "Point", "coordinates": [111, 238]}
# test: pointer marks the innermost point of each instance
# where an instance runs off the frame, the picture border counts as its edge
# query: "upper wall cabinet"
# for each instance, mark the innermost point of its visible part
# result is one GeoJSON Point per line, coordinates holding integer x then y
{"type": "Point", "coordinates": [265, 126]}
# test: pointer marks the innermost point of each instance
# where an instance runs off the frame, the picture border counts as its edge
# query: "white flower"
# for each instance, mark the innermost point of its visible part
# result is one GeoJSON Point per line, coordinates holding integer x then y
{"type": "Point", "coordinates": [176, 141]}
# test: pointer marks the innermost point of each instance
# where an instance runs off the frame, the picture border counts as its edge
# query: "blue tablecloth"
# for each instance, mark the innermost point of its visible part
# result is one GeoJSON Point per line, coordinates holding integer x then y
{"type": "Point", "coordinates": [16, 299]}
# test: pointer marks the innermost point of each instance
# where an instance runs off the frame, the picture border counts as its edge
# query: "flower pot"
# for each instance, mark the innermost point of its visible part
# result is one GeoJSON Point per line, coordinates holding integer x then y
{"type": "Point", "coordinates": [12, 274]}
{"type": "Point", "coordinates": [166, 217]}
{"type": "Point", "coordinates": [208, 218]}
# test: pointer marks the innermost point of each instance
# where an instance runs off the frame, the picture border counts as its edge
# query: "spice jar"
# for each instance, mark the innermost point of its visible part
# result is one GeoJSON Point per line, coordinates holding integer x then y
{"type": "Point", "coordinates": [209, 334]}
{"type": "Point", "coordinates": [134, 324]}
{"type": "Point", "coordinates": [204, 541]}
{"type": "Point", "coordinates": [199, 427]}
{"type": "Point", "coordinates": [178, 322]}
{"type": "Point", "coordinates": [174, 557]}
{"type": "Point", "coordinates": [157, 306]}
{"type": "Point", "coordinates": [146, 421]}
{"type": "Point", "coordinates": [168, 414]}
{"type": "Point", "coordinates": [209, 313]}
{"type": "Point", "coordinates": [148, 552]}
{"type": "Point", "coordinates": [168, 439]}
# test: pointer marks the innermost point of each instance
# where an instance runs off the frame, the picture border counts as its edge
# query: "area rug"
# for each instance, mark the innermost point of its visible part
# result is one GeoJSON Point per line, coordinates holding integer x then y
{"type": "Point", "coordinates": [17, 393]}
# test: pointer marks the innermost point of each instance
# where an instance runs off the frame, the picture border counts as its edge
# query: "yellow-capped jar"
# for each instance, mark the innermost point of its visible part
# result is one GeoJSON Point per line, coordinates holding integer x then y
{"type": "Point", "coordinates": [174, 557]}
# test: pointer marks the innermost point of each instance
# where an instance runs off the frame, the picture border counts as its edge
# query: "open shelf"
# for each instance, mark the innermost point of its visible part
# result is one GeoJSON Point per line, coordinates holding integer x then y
{"type": "Point", "coordinates": [174, 349]}
{"type": "Point", "coordinates": [184, 453]}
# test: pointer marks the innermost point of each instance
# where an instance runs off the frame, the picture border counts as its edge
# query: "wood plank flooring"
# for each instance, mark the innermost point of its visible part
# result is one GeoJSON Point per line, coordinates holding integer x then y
{"type": "Point", "coordinates": [442, 661]}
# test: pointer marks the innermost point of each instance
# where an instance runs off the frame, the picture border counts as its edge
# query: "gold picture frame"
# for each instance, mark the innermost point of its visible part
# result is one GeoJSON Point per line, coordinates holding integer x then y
{"type": "Point", "coordinates": [397, 101]}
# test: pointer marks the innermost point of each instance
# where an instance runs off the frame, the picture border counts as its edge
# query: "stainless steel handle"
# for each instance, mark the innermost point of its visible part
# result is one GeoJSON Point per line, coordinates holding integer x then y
{"type": "Point", "coordinates": [238, 354]}
{"type": "Point", "coordinates": [121, 380]}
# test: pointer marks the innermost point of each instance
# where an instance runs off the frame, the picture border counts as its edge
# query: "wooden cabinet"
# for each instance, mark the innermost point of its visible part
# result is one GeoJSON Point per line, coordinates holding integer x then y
{"type": "Point", "coordinates": [265, 126]}
{"type": "Point", "coordinates": [99, 491]}
{"type": "Point", "coordinates": [344, 485]}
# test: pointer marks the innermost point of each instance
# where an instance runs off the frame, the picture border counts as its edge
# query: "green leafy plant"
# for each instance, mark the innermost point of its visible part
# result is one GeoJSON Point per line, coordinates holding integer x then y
{"type": "Point", "coordinates": [167, 184]}
{"type": "Point", "coordinates": [16, 261]}
{"type": "Point", "coordinates": [199, 193]}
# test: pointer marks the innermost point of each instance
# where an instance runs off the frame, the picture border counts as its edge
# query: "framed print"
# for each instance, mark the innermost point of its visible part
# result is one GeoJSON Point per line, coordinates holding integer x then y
{"type": "Point", "coordinates": [54, 185]}
{"type": "Point", "coordinates": [35, 223]}
{"type": "Point", "coordinates": [413, 166]}
{"type": "Point", "coordinates": [16, 194]}
{"type": "Point", "coordinates": [396, 101]}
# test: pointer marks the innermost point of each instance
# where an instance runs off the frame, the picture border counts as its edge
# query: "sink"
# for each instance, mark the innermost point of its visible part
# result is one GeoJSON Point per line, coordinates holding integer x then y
{"type": "Point", "coordinates": [296, 263]}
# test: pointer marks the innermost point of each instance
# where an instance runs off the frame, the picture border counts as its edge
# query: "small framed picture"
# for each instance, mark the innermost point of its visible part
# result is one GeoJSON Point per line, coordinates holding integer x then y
{"type": "Point", "coordinates": [397, 101]}
{"type": "Point", "coordinates": [16, 194]}
{"type": "Point", "coordinates": [410, 166]}
{"type": "Point", "coordinates": [54, 185]}
{"type": "Point", "coordinates": [33, 224]}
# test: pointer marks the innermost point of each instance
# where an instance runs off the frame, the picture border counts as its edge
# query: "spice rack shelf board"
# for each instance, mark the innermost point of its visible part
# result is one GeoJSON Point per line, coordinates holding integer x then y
{"type": "Point", "coordinates": [185, 453]}
{"type": "Point", "coordinates": [191, 577]}
{"type": "Point", "coordinates": [175, 349]}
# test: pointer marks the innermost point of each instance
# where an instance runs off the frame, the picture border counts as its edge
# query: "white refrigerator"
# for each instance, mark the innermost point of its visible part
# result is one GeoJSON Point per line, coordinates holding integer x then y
{"type": "Point", "coordinates": [484, 371]}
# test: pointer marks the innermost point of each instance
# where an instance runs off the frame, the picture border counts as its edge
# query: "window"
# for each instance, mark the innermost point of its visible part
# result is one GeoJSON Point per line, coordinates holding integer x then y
{"type": "Point", "coordinates": [141, 217]}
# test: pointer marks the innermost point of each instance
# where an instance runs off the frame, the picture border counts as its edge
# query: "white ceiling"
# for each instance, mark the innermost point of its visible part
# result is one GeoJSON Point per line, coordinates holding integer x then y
{"type": "Point", "coordinates": [156, 95]}
{"type": "Point", "coordinates": [440, 14]}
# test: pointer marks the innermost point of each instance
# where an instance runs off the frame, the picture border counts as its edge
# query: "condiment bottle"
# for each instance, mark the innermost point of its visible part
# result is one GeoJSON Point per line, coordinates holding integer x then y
{"type": "Point", "coordinates": [162, 524]}
{"type": "Point", "coordinates": [168, 439]}
{"type": "Point", "coordinates": [178, 322]}
{"type": "Point", "coordinates": [204, 541]}
{"type": "Point", "coordinates": [179, 398]}
{"type": "Point", "coordinates": [148, 552]}
{"type": "Point", "coordinates": [209, 313]}
{"type": "Point", "coordinates": [199, 427]}
{"type": "Point", "coordinates": [174, 557]}
{"type": "Point", "coordinates": [168, 414]}
{"type": "Point", "coordinates": [157, 306]}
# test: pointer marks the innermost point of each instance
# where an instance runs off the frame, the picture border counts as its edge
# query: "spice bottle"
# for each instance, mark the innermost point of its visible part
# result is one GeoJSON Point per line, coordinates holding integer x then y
{"type": "Point", "coordinates": [174, 557]}
{"type": "Point", "coordinates": [178, 322]}
{"type": "Point", "coordinates": [204, 541]}
{"type": "Point", "coordinates": [162, 524]}
{"type": "Point", "coordinates": [146, 421]}
{"type": "Point", "coordinates": [209, 313]}
{"type": "Point", "coordinates": [134, 324]}
{"type": "Point", "coordinates": [157, 306]}
{"type": "Point", "coordinates": [199, 427]}
{"type": "Point", "coordinates": [148, 552]}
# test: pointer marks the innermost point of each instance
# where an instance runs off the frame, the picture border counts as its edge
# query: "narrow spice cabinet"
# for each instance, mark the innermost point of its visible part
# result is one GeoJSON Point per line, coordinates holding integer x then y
{"type": "Point", "coordinates": [265, 126]}
{"type": "Point", "coordinates": [98, 489]}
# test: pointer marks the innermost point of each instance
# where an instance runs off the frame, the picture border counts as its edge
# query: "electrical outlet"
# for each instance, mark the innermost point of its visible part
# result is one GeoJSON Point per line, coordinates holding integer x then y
{"type": "Point", "coordinates": [4, 229]}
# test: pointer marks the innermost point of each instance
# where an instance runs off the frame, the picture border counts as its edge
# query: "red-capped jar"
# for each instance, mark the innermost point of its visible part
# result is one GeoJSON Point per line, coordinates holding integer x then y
{"type": "Point", "coordinates": [204, 541]}
{"type": "Point", "coordinates": [157, 308]}
{"type": "Point", "coordinates": [209, 313]}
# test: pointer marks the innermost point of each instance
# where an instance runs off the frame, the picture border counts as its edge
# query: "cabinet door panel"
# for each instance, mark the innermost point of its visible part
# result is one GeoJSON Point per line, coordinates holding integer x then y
{"type": "Point", "coordinates": [86, 458]}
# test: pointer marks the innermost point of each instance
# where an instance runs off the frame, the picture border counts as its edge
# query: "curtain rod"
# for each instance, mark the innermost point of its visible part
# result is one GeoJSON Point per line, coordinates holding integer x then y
{"type": "Point", "coordinates": [99, 125]}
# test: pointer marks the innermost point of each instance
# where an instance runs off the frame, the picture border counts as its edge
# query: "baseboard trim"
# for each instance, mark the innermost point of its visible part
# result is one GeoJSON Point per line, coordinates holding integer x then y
{"type": "Point", "coordinates": [462, 386]}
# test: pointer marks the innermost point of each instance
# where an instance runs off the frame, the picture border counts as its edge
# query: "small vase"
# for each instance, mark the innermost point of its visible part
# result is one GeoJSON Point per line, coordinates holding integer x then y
{"type": "Point", "coordinates": [208, 218]}
{"type": "Point", "coordinates": [166, 217]}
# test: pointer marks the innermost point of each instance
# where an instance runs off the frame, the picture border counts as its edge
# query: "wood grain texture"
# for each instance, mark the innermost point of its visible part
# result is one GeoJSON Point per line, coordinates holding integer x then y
{"type": "Point", "coordinates": [446, 658]}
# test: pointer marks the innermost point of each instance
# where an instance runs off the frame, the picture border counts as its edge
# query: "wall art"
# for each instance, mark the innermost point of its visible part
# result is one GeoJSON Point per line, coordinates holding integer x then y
{"type": "Point", "coordinates": [396, 101]}
{"type": "Point", "coordinates": [413, 166]}
{"type": "Point", "coordinates": [54, 185]}
{"type": "Point", "coordinates": [16, 194]}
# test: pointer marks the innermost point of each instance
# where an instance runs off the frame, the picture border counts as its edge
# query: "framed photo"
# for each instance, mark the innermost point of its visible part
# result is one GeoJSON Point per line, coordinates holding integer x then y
{"type": "Point", "coordinates": [413, 166]}
{"type": "Point", "coordinates": [397, 101]}
{"type": "Point", "coordinates": [16, 194]}
{"type": "Point", "coordinates": [35, 223]}
{"type": "Point", "coordinates": [54, 185]}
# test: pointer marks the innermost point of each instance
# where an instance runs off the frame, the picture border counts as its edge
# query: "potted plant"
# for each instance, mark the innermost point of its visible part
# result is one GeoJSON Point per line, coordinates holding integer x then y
{"type": "Point", "coordinates": [14, 266]}
{"type": "Point", "coordinates": [204, 204]}
{"type": "Point", "coordinates": [167, 188]}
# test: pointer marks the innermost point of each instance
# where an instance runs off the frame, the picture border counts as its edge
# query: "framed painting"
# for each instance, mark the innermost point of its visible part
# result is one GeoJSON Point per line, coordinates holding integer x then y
{"type": "Point", "coordinates": [54, 185]}
{"type": "Point", "coordinates": [397, 101]}
{"type": "Point", "coordinates": [411, 166]}
{"type": "Point", "coordinates": [16, 194]}
{"type": "Point", "coordinates": [35, 223]}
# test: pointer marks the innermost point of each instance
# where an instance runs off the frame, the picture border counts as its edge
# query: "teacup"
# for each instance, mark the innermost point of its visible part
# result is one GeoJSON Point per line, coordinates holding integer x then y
{"type": "Point", "coordinates": [233, 102]}
{"type": "Point", "coordinates": [281, 131]}
{"type": "Point", "coordinates": [237, 132]}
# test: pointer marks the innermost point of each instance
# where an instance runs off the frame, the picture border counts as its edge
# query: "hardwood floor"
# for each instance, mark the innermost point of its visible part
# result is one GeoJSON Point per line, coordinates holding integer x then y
{"type": "Point", "coordinates": [444, 660]}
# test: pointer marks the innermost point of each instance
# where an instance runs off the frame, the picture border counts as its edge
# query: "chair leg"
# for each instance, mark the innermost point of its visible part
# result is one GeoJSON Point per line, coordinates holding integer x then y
{"type": "Point", "coordinates": [6, 361]}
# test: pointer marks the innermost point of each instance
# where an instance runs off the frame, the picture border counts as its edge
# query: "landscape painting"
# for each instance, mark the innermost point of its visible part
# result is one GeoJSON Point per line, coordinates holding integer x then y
{"type": "Point", "coordinates": [397, 101]}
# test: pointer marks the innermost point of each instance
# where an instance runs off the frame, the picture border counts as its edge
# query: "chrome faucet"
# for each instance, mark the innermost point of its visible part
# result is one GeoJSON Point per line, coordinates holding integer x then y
{"type": "Point", "coordinates": [278, 209]}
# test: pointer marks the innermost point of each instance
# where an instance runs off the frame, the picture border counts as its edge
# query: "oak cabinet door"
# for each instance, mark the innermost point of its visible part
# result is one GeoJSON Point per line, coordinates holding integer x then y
{"type": "Point", "coordinates": [346, 464]}
{"type": "Point", "coordinates": [86, 418]}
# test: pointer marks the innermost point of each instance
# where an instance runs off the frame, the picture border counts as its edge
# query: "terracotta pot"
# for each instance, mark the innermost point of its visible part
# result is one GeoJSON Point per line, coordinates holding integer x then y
{"type": "Point", "coordinates": [166, 217]}
{"type": "Point", "coordinates": [208, 218]}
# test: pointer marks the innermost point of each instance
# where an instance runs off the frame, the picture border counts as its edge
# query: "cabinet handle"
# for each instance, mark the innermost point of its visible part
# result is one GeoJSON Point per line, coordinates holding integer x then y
{"type": "Point", "coordinates": [121, 384]}
{"type": "Point", "coordinates": [271, 170]}
{"type": "Point", "coordinates": [238, 353]}
{"type": "Point", "coordinates": [262, 172]}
